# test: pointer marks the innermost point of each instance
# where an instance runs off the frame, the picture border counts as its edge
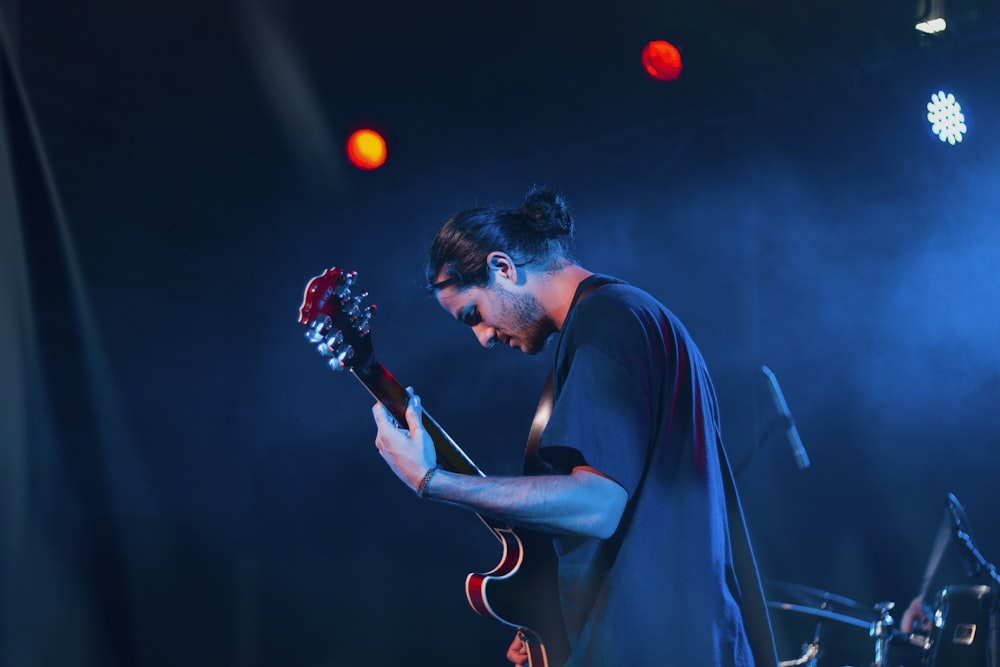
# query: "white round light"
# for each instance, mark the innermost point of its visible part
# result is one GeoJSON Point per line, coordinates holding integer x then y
{"type": "Point", "coordinates": [944, 113]}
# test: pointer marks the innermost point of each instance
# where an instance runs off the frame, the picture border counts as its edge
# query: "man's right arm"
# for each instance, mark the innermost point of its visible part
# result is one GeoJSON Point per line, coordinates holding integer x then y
{"type": "Point", "coordinates": [585, 502]}
{"type": "Point", "coordinates": [581, 503]}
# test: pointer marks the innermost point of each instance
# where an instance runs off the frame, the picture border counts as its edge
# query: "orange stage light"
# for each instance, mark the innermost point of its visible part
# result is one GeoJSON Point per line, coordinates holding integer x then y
{"type": "Point", "coordinates": [662, 60]}
{"type": "Point", "coordinates": [366, 149]}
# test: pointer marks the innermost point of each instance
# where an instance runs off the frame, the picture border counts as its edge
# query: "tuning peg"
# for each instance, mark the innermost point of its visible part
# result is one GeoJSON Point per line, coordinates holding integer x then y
{"type": "Point", "coordinates": [318, 329]}
{"type": "Point", "coordinates": [363, 324]}
{"type": "Point", "coordinates": [337, 363]}
{"type": "Point", "coordinates": [344, 286]}
{"type": "Point", "coordinates": [337, 351]}
{"type": "Point", "coordinates": [330, 345]}
{"type": "Point", "coordinates": [354, 309]}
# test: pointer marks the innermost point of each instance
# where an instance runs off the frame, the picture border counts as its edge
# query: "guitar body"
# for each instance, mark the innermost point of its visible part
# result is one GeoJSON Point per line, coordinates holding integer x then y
{"type": "Point", "coordinates": [521, 590]}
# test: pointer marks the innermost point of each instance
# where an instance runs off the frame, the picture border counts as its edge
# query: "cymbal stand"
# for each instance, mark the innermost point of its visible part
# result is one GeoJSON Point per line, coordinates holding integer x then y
{"type": "Point", "coordinates": [881, 630]}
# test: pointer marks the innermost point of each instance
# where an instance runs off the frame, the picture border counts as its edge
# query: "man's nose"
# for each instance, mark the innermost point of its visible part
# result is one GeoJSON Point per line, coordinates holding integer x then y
{"type": "Point", "coordinates": [486, 335]}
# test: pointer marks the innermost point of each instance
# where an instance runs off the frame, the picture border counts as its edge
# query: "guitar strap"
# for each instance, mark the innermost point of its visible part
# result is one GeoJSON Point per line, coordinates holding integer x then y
{"type": "Point", "coordinates": [542, 414]}
{"type": "Point", "coordinates": [755, 615]}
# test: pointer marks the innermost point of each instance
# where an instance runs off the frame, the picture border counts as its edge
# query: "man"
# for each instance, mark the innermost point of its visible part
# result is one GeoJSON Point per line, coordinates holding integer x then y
{"type": "Point", "coordinates": [633, 487]}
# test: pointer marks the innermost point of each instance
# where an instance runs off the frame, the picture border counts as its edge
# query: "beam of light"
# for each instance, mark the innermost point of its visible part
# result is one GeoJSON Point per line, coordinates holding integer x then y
{"type": "Point", "coordinates": [292, 96]}
{"type": "Point", "coordinates": [29, 390]}
{"type": "Point", "coordinates": [88, 340]}
{"type": "Point", "coordinates": [17, 354]}
{"type": "Point", "coordinates": [945, 115]}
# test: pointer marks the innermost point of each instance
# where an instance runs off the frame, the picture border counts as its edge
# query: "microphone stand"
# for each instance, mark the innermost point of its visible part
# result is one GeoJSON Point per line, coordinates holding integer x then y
{"type": "Point", "coordinates": [965, 541]}
{"type": "Point", "coordinates": [776, 425]}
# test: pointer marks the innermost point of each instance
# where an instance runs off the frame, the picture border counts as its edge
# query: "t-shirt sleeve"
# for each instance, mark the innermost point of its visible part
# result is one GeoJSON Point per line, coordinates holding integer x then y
{"type": "Point", "coordinates": [602, 412]}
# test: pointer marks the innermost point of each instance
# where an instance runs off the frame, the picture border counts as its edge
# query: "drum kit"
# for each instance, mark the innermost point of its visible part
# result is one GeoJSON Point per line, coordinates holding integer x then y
{"type": "Point", "coordinates": [959, 629]}
{"type": "Point", "coordinates": [961, 632]}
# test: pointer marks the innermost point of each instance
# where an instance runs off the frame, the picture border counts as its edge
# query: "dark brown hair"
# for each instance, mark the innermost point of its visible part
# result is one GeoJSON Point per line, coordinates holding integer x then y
{"type": "Point", "coordinates": [536, 233]}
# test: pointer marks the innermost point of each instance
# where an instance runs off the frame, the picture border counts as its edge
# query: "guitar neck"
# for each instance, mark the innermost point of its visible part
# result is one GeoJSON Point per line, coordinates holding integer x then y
{"type": "Point", "coordinates": [389, 392]}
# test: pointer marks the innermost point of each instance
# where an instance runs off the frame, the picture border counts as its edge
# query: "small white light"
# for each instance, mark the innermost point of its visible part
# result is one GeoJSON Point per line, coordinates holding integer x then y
{"type": "Point", "coordinates": [944, 113]}
{"type": "Point", "coordinates": [932, 26]}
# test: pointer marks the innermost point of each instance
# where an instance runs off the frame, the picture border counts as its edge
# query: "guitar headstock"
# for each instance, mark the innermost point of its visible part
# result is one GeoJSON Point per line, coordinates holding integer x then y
{"type": "Point", "coordinates": [338, 324]}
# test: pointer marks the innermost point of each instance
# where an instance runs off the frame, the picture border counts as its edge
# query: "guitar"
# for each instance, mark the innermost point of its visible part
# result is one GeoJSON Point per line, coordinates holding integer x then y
{"type": "Point", "coordinates": [339, 325]}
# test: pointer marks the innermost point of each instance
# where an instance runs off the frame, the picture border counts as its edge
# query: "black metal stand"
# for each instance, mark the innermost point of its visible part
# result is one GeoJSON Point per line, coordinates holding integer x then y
{"type": "Point", "coordinates": [777, 425]}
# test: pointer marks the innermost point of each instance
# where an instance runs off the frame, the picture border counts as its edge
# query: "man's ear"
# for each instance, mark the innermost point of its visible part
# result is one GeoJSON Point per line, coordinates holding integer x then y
{"type": "Point", "coordinates": [501, 266]}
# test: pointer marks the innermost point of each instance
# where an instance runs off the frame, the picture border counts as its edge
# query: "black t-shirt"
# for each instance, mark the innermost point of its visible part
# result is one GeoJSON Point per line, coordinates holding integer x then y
{"type": "Point", "coordinates": [633, 400]}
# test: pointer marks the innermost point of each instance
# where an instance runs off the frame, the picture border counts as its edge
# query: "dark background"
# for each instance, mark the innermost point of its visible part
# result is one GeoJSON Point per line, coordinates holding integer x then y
{"type": "Point", "coordinates": [184, 482]}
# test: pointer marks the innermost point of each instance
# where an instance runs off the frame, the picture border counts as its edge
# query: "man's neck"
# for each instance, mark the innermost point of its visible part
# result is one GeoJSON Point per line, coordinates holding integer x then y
{"type": "Point", "coordinates": [557, 288]}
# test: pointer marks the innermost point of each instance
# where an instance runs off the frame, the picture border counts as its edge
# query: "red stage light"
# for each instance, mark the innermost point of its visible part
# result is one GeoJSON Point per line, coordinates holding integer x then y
{"type": "Point", "coordinates": [366, 149]}
{"type": "Point", "coordinates": [662, 60]}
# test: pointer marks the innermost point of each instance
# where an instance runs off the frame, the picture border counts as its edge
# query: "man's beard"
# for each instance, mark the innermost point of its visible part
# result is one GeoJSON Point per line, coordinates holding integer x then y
{"type": "Point", "coordinates": [525, 319]}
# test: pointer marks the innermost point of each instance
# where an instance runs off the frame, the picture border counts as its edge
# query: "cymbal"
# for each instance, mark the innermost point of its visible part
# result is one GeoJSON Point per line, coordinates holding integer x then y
{"type": "Point", "coordinates": [822, 613]}
{"type": "Point", "coordinates": [798, 595]}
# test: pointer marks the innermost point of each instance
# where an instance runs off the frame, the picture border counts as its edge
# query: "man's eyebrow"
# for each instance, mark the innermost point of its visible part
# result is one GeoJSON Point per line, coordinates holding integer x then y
{"type": "Point", "coordinates": [441, 284]}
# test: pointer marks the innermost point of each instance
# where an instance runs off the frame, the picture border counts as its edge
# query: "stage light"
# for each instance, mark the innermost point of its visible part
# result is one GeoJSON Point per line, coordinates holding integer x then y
{"type": "Point", "coordinates": [662, 60]}
{"type": "Point", "coordinates": [933, 26]}
{"type": "Point", "coordinates": [366, 149]}
{"type": "Point", "coordinates": [944, 113]}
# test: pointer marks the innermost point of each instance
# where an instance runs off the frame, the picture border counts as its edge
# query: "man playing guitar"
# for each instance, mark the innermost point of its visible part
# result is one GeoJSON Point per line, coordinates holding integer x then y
{"type": "Point", "coordinates": [629, 479]}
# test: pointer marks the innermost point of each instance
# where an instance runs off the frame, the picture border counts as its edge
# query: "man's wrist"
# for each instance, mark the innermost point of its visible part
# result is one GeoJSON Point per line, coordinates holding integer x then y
{"type": "Point", "coordinates": [425, 480]}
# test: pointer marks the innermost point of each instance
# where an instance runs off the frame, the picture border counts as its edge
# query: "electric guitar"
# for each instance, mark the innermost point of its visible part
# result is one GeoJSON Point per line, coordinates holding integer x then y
{"type": "Point", "coordinates": [339, 325]}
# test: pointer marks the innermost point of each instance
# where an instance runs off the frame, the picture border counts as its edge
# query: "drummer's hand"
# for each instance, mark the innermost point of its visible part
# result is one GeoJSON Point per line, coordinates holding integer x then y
{"type": "Point", "coordinates": [914, 618]}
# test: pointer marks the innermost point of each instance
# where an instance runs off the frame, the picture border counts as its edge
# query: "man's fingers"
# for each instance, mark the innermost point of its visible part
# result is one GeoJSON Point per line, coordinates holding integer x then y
{"type": "Point", "coordinates": [382, 417]}
{"type": "Point", "coordinates": [413, 410]}
{"type": "Point", "coordinates": [517, 652]}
